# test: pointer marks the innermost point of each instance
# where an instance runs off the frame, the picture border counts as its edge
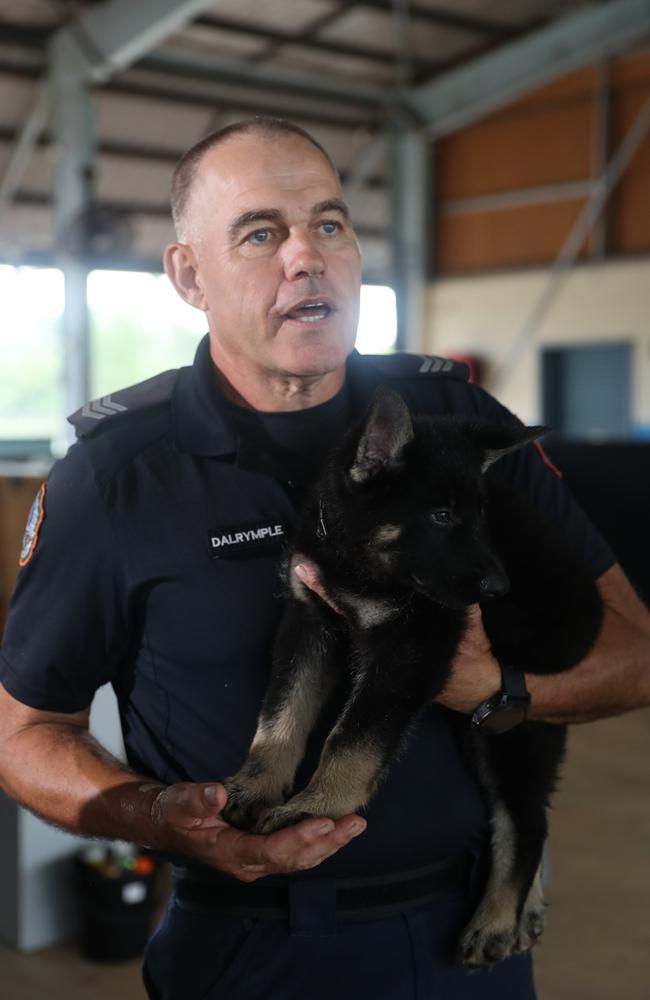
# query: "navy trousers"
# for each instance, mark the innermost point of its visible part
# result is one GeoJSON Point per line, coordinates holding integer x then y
{"type": "Point", "coordinates": [201, 955]}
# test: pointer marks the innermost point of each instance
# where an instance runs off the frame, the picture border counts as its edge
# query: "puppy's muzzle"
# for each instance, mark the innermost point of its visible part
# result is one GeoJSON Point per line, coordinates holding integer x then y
{"type": "Point", "coordinates": [494, 584]}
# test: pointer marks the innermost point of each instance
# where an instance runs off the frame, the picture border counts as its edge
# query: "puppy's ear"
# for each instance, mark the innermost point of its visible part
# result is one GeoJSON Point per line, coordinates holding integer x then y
{"type": "Point", "coordinates": [385, 432]}
{"type": "Point", "coordinates": [495, 441]}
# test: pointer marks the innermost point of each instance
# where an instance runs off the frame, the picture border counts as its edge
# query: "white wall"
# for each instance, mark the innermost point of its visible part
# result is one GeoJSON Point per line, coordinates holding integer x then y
{"type": "Point", "coordinates": [599, 302]}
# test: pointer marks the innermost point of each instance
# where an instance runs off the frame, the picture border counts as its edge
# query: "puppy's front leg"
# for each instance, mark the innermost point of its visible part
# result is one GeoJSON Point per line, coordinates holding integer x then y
{"type": "Point", "coordinates": [354, 757]}
{"type": "Point", "coordinates": [302, 678]}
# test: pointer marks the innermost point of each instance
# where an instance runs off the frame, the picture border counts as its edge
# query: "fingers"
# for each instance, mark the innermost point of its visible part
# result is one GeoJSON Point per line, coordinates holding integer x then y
{"type": "Point", "coordinates": [190, 806]}
{"type": "Point", "coordinates": [307, 573]}
{"type": "Point", "coordinates": [296, 848]}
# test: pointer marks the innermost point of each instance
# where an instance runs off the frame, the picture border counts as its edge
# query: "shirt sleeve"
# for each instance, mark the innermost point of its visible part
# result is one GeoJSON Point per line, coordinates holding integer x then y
{"type": "Point", "coordinates": [67, 625]}
{"type": "Point", "coordinates": [530, 470]}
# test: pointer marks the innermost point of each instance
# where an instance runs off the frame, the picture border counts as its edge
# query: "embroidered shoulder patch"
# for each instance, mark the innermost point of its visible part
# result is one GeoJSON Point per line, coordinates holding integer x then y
{"type": "Point", "coordinates": [33, 526]}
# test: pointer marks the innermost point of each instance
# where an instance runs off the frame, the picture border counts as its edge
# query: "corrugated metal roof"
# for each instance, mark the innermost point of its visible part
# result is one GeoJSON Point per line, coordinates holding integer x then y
{"type": "Point", "coordinates": [145, 118]}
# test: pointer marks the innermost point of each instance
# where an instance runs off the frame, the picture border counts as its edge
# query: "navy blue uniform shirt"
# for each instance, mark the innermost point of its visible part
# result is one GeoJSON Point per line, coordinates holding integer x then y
{"type": "Point", "coordinates": [156, 569]}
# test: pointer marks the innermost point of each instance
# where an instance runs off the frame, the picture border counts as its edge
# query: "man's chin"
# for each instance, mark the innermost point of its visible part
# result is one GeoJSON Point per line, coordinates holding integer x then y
{"type": "Point", "coordinates": [315, 358]}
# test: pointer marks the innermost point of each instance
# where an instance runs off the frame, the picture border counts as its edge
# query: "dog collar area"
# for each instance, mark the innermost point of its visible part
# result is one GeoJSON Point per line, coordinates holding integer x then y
{"type": "Point", "coordinates": [507, 708]}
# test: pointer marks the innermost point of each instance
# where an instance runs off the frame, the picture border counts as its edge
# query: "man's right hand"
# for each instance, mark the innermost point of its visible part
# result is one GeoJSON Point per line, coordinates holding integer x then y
{"type": "Point", "coordinates": [187, 817]}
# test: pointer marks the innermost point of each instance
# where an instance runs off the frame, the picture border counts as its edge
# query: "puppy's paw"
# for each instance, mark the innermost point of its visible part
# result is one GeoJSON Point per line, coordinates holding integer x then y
{"type": "Point", "coordinates": [531, 928]}
{"type": "Point", "coordinates": [279, 817]}
{"type": "Point", "coordinates": [244, 804]}
{"type": "Point", "coordinates": [481, 947]}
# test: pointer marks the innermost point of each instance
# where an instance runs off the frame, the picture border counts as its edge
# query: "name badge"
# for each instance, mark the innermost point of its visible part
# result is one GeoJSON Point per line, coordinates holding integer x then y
{"type": "Point", "coordinates": [242, 541]}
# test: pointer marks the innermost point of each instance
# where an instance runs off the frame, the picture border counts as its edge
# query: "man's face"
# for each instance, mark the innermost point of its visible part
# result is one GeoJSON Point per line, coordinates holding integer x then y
{"type": "Point", "coordinates": [278, 263]}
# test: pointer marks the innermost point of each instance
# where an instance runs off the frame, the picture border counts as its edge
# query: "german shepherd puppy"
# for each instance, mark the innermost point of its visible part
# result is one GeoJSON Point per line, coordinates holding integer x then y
{"type": "Point", "coordinates": [407, 533]}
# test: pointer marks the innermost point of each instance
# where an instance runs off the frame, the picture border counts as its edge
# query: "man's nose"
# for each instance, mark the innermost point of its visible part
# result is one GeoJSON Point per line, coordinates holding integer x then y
{"type": "Point", "coordinates": [302, 258]}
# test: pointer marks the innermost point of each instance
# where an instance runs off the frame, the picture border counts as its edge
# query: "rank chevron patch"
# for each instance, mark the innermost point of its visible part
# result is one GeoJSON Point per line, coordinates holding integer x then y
{"type": "Point", "coordinates": [97, 409]}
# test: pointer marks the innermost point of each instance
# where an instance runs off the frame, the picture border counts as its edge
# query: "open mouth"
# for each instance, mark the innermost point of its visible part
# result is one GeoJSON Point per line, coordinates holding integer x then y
{"type": "Point", "coordinates": [310, 312]}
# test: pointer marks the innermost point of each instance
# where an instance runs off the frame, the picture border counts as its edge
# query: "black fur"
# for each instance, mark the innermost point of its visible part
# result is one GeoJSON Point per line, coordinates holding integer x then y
{"type": "Point", "coordinates": [461, 538]}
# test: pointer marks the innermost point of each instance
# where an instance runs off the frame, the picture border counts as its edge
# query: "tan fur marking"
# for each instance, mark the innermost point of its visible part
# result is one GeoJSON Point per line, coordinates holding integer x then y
{"type": "Point", "coordinates": [497, 911]}
{"type": "Point", "coordinates": [370, 612]}
{"type": "Point", "coordinates": [342, 783]}
{"type": "Point", "coordinates": [387, 533]}
{"type": "Point", "coordinates": [298, 589]}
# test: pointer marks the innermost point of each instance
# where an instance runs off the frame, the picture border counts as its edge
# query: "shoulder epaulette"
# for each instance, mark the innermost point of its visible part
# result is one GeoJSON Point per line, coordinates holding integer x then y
{"type": "Point", "coordinates": [141, 396]}
{"type": "Point", "coordinates": [402, 365]}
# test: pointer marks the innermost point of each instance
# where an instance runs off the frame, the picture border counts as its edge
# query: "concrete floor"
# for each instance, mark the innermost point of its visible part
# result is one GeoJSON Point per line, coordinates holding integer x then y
{"type": "Point", "coordinates": [597, 942]}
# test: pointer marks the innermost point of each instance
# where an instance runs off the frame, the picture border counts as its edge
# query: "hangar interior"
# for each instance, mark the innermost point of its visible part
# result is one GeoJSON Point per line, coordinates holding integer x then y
{"type": "Point", "coordinates": [496, 160]}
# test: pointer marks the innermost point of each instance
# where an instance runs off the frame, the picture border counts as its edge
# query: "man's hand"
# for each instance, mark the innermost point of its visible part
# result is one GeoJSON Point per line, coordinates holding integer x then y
{"type": "Point", "coordinates": [189, 821]}
{"type": "Point", "coordinates": [476, 674]}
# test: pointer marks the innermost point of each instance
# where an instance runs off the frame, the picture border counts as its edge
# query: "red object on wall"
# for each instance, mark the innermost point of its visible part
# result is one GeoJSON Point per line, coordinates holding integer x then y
{"type": "Point", "coordinates": [474, 364]}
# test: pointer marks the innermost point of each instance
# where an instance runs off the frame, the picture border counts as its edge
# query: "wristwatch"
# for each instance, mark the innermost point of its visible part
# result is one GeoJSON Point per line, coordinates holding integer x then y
{"type": "Point", "coordinates": [508, 707]}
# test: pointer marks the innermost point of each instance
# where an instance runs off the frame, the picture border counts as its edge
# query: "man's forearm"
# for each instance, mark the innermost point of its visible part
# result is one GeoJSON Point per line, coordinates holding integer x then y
{"type": "Point", "coordinates": [615, 676]}
{"type": "Point", "coordinates": [59, 771]}
{"type": "Point", "coordinates": [596, 689]}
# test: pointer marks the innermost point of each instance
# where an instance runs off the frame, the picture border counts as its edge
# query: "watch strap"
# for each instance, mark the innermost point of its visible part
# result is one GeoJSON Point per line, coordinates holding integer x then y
{"type": "Point", "coordinates": [513, 682]}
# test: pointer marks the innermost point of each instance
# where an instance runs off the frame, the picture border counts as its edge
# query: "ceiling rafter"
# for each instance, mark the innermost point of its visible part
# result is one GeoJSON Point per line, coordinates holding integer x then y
{"type": "Point", "coordinates": [445, 17]}
{"type": "Point", "coordinates": [461, 96]}
{"type": "Point", "coordinates": [40, 199]}
{"type": "Point", "coordinates": [188, 99]}
{"type": "Point", "coordinates": [307, 39]}
{"type": "Point", "coordinates": [161, 154]}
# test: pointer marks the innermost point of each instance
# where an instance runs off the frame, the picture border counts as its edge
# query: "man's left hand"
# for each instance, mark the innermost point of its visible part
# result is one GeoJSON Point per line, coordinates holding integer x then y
{"type": "Point", "coordinates": [475, 674]}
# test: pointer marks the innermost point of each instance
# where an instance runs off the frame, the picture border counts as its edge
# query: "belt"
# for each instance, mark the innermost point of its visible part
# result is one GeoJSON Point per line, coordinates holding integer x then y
{"type": "Point", "coordinates": [364, 897]}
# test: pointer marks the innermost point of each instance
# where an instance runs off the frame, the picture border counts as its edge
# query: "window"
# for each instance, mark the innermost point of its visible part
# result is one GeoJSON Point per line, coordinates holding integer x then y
{"type": "Point", "coordinates": [138, 327]}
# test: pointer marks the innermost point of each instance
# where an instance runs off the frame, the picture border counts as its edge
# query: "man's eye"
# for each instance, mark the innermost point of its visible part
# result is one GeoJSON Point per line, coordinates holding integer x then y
{"type": "Point", "coordinates": [441, 516]}
{"type": "Point", "coordinates": [329, 228]}
{"type": "Point", "coordinates": [260, 236]}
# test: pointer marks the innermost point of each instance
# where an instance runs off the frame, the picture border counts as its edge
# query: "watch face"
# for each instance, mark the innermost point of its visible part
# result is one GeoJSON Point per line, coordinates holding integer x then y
{"type": "Point", "coordinates": [498, 715]}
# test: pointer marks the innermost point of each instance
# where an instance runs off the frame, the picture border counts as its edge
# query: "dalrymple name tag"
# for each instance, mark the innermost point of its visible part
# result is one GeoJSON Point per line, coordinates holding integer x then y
{"type": "Point", "coordinates": [242, 541]}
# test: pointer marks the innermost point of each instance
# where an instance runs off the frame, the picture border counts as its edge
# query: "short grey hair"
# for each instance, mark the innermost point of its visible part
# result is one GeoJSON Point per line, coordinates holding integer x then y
{"type": "Point", "coordinates": [186, 168]}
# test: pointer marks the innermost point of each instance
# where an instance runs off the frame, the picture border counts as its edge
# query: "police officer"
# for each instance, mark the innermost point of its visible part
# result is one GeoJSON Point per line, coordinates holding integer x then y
{"type": "Point", "coordinates": [150, 561]}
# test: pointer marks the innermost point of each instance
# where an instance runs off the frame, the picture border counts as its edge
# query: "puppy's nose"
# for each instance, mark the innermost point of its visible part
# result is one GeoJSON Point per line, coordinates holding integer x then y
{"type": "Point", "coordinates": [494, 584]}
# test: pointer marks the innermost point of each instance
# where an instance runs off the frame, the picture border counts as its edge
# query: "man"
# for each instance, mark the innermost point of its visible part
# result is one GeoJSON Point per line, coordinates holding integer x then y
{"type": "Point", "coordinates": [153, 565]}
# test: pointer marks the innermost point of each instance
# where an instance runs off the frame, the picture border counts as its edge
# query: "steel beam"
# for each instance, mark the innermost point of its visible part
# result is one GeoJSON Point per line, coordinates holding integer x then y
{"type": "Point", "coordinates": [600, 141]}
{"type": "Point", "coordinates": [522, 197]}
{"type": "Point", "coordinates": [365, 165]}
{"type": "Point", "coordinates": [28, 137]}
{"type": "Point", "coordinates": [461, 96]}
{"type": "Point", "coordinates": [115, 34]}
{"type": "Point", "coordinates": [212, 67]}
{"type": "Point", "coordinates": [411, 190]}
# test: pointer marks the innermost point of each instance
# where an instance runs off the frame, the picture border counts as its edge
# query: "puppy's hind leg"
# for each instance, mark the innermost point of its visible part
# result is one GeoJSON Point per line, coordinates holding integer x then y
{"type": "Point", "coordinates": [517, 771]}
{"type": "Point", "coordinates": [302, 678]}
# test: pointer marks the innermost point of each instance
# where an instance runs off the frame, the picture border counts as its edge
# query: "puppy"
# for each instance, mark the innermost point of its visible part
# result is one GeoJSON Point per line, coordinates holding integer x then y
{"type": "Point", "coordinates": [407, 533]}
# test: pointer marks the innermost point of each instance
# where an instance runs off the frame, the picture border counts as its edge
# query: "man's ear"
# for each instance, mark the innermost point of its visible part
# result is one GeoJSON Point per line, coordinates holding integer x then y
{"type": "Point", "coordinates": [385, 432]}
{"type": "Point", "coordinates": [182, 270]}
{"type": "Point", "coordinates": [495, 441]}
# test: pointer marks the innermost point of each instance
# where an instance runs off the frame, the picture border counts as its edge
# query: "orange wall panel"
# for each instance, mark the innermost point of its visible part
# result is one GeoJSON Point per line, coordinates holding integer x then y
{"type": "Point", "coordinates": [577, 85]}
{"type": "Point", "coordinates": [631, 69]}
{"type": "Point", "coordinates": [629, 215]}
{"type": "Point", "coordinates": [544, 147]}
{"type": "Point", "coordinates": [507, 238]}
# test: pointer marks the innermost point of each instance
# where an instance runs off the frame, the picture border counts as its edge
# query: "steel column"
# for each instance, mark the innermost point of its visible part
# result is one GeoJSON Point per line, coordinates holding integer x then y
{"type": "Point", "coordinates": [72, 130]}
{"type": "Point", "coordinates": [411, 198]}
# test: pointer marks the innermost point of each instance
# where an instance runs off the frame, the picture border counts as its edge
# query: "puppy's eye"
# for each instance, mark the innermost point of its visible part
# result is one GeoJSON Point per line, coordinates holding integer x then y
{"type": "Point", "coordinates": [441, 516]}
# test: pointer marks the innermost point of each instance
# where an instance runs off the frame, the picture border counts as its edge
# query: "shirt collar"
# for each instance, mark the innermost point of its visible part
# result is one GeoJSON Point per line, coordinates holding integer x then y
{"type": "Point", "coordinates": [201, 419]}
{"type": "Point", "coordinates": [199, 411]}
